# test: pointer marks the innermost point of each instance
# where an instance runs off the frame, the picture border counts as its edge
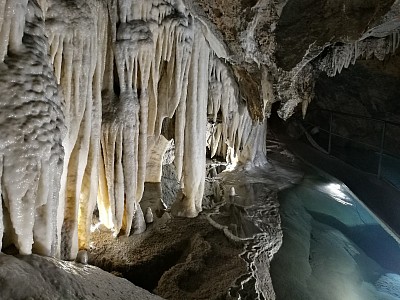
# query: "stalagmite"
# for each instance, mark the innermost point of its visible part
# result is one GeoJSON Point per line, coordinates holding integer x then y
{"type": "Point", "coordinates": [139, 223]}
{"type": "Point", "coordinates": [82, 257]}
{"type": "Point", "coordinates": [149, 215]}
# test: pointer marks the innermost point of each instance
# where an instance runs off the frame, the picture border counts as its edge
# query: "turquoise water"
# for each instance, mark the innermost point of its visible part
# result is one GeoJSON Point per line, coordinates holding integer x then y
{"type": "Point", "coordinates": [333, 247]}
{"type": "Point", "coordinates": [391, 170]}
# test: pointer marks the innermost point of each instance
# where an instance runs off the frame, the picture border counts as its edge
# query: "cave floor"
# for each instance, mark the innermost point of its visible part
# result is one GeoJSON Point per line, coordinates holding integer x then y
{"type": "Point", "coordinates": [176, 258]}
{"type": "Point", "coordinates": [182, 258]}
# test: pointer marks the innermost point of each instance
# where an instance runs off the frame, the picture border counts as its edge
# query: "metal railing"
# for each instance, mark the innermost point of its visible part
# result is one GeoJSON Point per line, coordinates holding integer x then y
{"type": "Point", "coordinates": [380, 149]}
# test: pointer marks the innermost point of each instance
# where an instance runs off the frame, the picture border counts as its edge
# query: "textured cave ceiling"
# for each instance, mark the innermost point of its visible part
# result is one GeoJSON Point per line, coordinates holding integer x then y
{"type": "Point", "coordinates": [292, 40]}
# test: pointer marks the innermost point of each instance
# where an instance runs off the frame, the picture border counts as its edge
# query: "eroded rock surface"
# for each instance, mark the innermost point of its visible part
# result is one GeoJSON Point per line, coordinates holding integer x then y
{"type": "Point", "coordinates": [283, 43]}
{"type": "Point", "coordinates": [37, 277]}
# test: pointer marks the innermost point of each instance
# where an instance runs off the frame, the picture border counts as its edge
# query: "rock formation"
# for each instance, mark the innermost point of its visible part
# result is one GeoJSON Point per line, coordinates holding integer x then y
{"type": "Point", "coordinates": [93, 92]}
{"type": "Point", "coordinates": [87, 88]}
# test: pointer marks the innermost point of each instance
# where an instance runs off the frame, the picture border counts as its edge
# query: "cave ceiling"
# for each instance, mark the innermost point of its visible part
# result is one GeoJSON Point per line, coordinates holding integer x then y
{"type": "Point", "coordinates": [287, 43]}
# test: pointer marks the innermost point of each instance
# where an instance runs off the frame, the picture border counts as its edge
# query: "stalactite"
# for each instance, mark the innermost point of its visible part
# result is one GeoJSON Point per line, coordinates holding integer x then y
{"type": "Point", "coordinates": [155, 159]}
{"type": "Point", "coordinates": [193, 171]}
{"type": "Point", "coordinates": [341, 56]}
{"type": "Point", "coordinates": [89, 191]}
{"type": "Point", "coordinates": [152, 60]}
{"type": "Point", "coordinates": [12, 24]}
{"type": "Point", "coordinates": [124, 129]}
{"type": "Point", "coordinates": [96, 81]}
{"type": "Point", "coordinates": [233, 135]}
{"type": "Point", "coordinates": [119, 141]}
{"type": "Point", "coordinates": [77, 54]}
{"type": "Point", "coordinates": [32, 126]}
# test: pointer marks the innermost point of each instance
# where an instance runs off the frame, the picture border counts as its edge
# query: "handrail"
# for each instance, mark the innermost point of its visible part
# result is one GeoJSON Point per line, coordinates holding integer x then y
{"type": "Point", "coordinates": [356, 116]}
{"type": "Point", "coordinates": [380, 148]}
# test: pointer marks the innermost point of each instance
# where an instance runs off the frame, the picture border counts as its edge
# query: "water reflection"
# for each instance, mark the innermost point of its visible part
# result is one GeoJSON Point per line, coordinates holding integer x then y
{"type": "Point", "coordinates": [333, 247]}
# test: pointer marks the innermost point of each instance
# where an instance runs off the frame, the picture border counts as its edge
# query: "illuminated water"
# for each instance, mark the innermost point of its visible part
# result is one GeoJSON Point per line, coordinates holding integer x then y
{"type": "Point", "coordinates": [391, 170]}
{"type": "Point", "coordinates": [333, 247]}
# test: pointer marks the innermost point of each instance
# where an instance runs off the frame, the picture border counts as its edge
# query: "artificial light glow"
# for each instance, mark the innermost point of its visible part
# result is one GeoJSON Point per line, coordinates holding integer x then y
{"type": "Point", "coordinates": [67, 267]}
{"type": "Point", "coordinates": [335, 190]}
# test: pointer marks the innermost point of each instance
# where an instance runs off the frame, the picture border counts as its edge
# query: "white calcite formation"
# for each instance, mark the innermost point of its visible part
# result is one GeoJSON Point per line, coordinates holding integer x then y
{"type": "Point", "coordinates": [293, 86]}
{"type": "Point", "coordinates": [32, 130]}
{"type": "Point", "coordinates": [149, 216]}
{"type": "Point", "coordinates": [377, 42]}
{"type": "Point", "coordinates": [343, 56]}
{"type": "Point", "coordinates": [86, 87]}
{"type": "Point", "coordinates": [77, 43]}
{"type": "Point", "coordinates": [231, 132]}
{"type": "Point", "coordinates": [155, 159]}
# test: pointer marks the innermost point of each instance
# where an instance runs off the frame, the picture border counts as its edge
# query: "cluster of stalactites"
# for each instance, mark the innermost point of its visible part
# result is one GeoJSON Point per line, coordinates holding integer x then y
{"type": "Point", "coordinates": [232, 134]}
{"type": "Point", "coordinates": [77, 45]}
{"type": "Point", "coordinates": [31, 132]}
{"type": "Point", "coordinates": [163, 57]}
{"type": "Point", "coordinates": [12, 23]}
{"type": "Point", "coordinates": [116, 70]}
{"type": "Point", "coordinates": [148, 10]}
{"type": "Point", "coordinates": [342, 56]}
{"type": "Point", "coordinates": [151, 54]}
{"type": "Point", "coordinates": [297, 86]}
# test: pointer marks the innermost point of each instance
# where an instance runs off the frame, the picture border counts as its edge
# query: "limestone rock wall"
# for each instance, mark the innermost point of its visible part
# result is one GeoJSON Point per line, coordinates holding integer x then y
{"type": "Point", "coordinates": [282, 45]}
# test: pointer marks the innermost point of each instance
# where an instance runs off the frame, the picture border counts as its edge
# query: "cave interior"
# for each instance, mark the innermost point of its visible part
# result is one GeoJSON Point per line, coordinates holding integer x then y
{"type": "Point", "coordinates": [119, 118]}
